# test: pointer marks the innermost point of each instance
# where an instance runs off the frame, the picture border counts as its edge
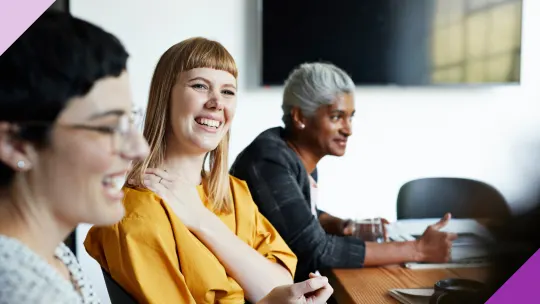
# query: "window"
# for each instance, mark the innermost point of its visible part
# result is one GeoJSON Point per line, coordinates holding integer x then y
{"type": "Point", "coordinates": [476, 41]}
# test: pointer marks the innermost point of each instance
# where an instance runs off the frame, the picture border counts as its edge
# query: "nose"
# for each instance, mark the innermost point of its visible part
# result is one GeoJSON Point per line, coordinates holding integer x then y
{"type": "Point", "coordinates": [135, 147]}
{"type": "Point", "coordinates": [346, 130]}
{"type": "Point", "coordinates": [215, 101]}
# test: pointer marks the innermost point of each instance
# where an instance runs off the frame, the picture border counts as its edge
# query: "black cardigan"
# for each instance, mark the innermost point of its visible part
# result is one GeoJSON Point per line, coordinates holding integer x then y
{"type": "Point", "coordinates": [279, 184]}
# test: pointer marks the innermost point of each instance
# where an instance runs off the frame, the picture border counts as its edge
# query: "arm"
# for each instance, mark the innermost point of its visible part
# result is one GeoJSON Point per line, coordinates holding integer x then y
{"type": "Point", "coordinates": [391, 253]}
{"type": "Point", "coordinates": [269, 243]}
{"type": "Point", "coordinates": [256, 274]}
{"type": "Point", "coordinates": [377, 254]}
{"type": "Point", "coordinates": [433, 246]}
{"type": "Point", "coordinates": [331, 224]}
{"type": "Point", "coordinates": [280, 199]}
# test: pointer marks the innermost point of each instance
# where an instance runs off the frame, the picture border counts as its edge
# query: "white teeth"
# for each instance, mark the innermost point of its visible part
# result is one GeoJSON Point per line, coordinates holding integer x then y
{"type": "Point", "coordinates": [119, 182]}
{"type": "Point", "coordinates": [209, 122]}
{"type": "Point", "coordinates": [116, 182]}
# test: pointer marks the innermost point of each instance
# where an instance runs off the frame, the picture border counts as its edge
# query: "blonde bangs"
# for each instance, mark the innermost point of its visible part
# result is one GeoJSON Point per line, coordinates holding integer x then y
{"type": "Point", "coordinates": [204, 53]}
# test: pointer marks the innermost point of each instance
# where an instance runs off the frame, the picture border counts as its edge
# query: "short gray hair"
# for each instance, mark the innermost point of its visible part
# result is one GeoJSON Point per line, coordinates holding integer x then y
{"type": "Point", "coordinates": [313, 85]}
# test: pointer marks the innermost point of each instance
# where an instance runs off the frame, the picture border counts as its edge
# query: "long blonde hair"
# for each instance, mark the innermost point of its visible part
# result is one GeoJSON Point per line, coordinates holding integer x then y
{"type": "Point", "coordinates": [189, 54]}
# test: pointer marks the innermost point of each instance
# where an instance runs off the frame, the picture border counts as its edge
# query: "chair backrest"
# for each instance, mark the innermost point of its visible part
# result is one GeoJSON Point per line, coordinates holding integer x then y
{"type": "Point", "coordinates": [464, 198]}
{"type": "Point", "coordinates": [117, 294]}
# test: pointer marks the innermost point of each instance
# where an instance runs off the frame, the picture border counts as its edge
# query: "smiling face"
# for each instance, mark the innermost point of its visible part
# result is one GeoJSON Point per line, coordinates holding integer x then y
{"type": "Point", "coordinates": [203, 103]}
{"type": "Point", "coordinates": [329, 129]}
{"type": "Point", "coordinates": [81, 171]}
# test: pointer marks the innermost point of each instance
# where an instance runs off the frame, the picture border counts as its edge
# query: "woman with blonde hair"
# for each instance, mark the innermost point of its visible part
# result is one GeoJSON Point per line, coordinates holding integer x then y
{"type": "Point", "coordinates": [191, 235]}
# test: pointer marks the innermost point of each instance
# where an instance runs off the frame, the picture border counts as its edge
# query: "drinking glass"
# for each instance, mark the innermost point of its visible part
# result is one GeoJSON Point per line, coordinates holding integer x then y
{"type": "Point", "coordinates": [369, 230]}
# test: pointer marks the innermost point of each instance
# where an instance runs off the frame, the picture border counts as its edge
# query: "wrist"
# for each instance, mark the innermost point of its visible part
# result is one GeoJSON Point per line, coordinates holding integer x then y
{"type": "Point", "coordinates": [417, 254]}
{"type": "Point", "coordinates": [206, 223]}
{"type": "Point", "coordinates": [264, 300]}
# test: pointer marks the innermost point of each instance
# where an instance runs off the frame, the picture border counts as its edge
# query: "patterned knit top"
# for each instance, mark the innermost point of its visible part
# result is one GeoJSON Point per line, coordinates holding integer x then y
{"type": "Point", "coordinates": [25, 277]}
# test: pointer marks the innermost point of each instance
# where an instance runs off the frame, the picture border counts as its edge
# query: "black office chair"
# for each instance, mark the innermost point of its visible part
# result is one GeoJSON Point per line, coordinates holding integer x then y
{"type": "Point", "coordinates": [464, 198]}
{"type": "Point", "coordinates": [117, 293]}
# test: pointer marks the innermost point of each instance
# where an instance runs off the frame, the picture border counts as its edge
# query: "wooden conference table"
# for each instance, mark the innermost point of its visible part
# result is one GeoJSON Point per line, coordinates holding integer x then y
{"type": "Point", "coordinates": [371, 285]}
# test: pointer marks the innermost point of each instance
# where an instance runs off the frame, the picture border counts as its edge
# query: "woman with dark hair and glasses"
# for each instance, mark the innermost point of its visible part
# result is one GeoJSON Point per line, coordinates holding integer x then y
{"type": "Point", "coordinates": [66, 142]}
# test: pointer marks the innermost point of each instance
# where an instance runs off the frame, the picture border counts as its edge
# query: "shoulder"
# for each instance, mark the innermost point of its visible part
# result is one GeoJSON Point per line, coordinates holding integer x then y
{"type": "Point", "coordinates": [267, 143]}
{"type": "Point", "coordinates": [269, 146]}
{"type": "Point", "coordinates": [145, 226]}
{"type": "Point", "coordinates": [145, 214]}
{"type": "Point", "coordinates": [140, 202]}
{"type": "Point", "coordinates": [271, 137]}
{"type": "Point", "coordinates": [239, 189]}
{"type": "Point", "coordinates": [238, 184]}
{"type": "Point", "coordinates": [24, 278]}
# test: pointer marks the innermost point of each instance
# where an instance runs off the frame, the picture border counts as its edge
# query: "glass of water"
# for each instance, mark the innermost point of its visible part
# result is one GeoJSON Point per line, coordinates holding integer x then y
{"type": "Point", "coordinates": [369, 230]}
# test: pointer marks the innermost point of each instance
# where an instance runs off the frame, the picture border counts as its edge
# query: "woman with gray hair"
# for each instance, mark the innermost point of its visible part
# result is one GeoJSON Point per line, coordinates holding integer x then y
{"type": "Point", "coordinates": [279, 167]}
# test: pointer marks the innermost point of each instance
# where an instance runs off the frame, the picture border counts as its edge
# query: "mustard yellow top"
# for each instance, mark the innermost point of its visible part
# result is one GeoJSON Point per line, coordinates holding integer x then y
{"type": "Point", "coordinates": [153, 255]}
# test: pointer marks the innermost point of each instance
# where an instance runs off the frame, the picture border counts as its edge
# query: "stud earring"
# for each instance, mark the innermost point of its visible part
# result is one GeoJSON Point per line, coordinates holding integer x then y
{"type": "Point", "coordinates": [302, 126]}
{"type": "Point", "coordinates": [21, 164]}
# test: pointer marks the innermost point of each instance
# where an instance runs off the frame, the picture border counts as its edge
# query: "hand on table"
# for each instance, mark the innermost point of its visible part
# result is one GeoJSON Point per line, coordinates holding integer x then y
{"type": "Point", "coordinates": [434, 245]}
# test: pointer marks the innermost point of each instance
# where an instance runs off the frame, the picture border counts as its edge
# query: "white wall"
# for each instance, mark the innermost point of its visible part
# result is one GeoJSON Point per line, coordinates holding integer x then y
{"type": "Point", "coordinates": [484, 133]}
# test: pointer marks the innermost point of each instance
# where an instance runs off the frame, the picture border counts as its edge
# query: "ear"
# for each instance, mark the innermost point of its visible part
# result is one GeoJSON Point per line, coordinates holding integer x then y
{"type": "Point", "coordinates": [14, 152]}
{"type": "Point", "coordinates": [298, 119]}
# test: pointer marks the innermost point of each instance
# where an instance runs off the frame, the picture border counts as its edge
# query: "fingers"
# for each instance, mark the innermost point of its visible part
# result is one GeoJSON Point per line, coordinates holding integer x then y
{"type": "Point", "coordinates": [155, 179]}
{"type": "Point", "coordinates": [154, 182]}
{"type": "Point", "coordinates": [322, 295]}
{"type": "Point", "coordinates": [310, 285]}
{"type": "Point", "coordinates": [446, 245]}
{"type": "Point", "coordinates": [442, 223]}
{"type": "Point", "coordinates": [348, 230]}
{"type": "Point", "coordinates": [385, 234]}
{"type": "Point", "coordinates": [159, 172]}
{"type": "Point", "coordinates": [451, 236]}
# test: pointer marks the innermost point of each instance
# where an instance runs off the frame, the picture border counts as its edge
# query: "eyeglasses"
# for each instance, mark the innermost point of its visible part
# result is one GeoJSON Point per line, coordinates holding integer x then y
{"type": "Point", "coordinates": [121, 134]}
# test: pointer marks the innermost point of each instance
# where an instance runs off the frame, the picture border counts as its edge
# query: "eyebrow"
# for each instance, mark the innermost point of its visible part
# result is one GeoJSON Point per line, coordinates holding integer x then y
{"type": "Point", "coordinates": [207, 81]}
{"type": "Point", "coordinates": [341, 112]}
{"type": "Point", "coordinates": [229, 86]}
{"type": "Point", "coordinates": [336, 111]}
{"type": "Point", "coordinates": [199, 78]}
{"type": "Point", "coordinates": [116, 112]}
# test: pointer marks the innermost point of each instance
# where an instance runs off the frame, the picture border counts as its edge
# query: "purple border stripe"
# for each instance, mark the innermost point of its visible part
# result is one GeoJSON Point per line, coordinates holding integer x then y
{"type": "Point", "coordinates": [522, 287]}
{"type": "Point", "coordinates": [15, 18]}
